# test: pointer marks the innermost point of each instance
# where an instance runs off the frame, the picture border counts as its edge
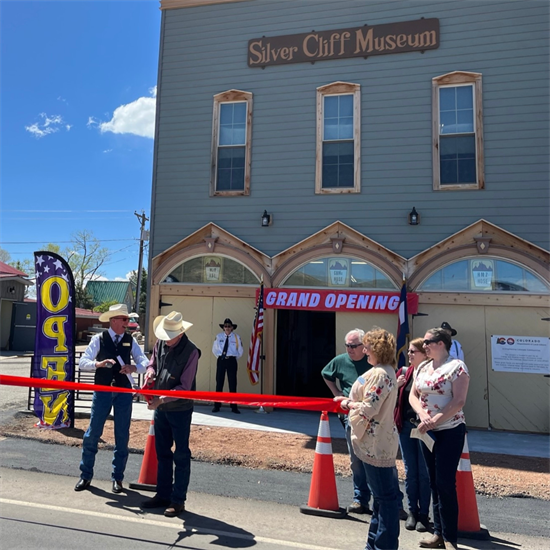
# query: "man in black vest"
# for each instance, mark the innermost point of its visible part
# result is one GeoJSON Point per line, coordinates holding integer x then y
{"type": "Point", "coordinates": [109, 354]}
{"type": "Point", "coordinates": [174, 367]}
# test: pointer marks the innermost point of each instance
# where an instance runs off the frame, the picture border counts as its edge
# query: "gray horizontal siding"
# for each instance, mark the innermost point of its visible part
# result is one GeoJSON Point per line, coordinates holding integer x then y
{"type": "Point", "coordinates": [204, 53]}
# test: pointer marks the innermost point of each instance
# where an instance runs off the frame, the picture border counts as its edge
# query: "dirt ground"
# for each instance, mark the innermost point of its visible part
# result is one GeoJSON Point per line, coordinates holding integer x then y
{"type": "Point", "coordinates": [494, 475]}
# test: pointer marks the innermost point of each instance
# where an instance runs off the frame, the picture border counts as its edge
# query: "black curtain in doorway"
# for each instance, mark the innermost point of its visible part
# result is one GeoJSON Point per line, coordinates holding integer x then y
{"type": "Point", "coordinates": [305, 344]}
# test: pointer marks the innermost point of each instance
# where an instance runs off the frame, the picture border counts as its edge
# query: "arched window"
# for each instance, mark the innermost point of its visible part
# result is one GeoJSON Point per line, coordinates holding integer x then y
{"type": "Point", "coordinates": [484, 275]}
{"type": "Point", "coordinates": [212, 270]}
{"type": "Point", "coordinates": [339, 272]}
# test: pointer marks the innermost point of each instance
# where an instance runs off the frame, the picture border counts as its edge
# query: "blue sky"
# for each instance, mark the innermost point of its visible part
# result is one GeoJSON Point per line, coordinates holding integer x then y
{"type": "Point", "coordinates": [78, 82]}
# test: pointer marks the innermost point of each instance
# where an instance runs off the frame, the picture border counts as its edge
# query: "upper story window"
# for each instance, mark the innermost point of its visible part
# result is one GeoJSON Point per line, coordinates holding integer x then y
{"type": "Point", "coordinates": [338, 156]}
{"type": "Point", "coordinates": [339, 272]}
{"type": "Point", "coordinates": [211, 270]}
{"type": "Point", "coordinates": [458, 132]}
{"type": "Point", "coordinates": [231, 143]}
{"type": "Point", "coordinates": [485, 275]}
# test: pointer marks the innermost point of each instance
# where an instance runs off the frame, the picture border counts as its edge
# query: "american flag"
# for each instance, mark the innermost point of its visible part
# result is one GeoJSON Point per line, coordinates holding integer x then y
{"type": "Point", "coordinates": [403, 331]}
{"type": "Point", "coordinates": [255, 350]}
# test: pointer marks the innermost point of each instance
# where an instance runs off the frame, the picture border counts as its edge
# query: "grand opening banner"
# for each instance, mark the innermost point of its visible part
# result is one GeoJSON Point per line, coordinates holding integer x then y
{"type": "Point", "coordinates": [337, 300]}
{"type": "Point", "coordinates": [54, 348]}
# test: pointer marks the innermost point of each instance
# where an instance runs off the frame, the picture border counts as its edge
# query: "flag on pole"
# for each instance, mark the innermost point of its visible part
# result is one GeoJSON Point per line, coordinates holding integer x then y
{"type": "Point", "coordinates": [403, 332]}
{"type": "Point", "coordinates": [255, 350]}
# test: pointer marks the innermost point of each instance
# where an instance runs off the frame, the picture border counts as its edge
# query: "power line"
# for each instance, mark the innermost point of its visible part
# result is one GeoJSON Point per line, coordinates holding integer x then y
{"type": "Point", "coordinates": [66, 242]}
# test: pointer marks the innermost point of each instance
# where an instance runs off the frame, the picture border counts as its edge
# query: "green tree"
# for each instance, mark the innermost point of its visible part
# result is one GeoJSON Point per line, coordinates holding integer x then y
{"type": "Point", "coordinates": [143, 291]}
{"type": "Point", "coordinates": [102, 308]}
{"type": "Point", "coordinates": [85, 256]}
{"type": "Point", "coordinates": [5, 256]}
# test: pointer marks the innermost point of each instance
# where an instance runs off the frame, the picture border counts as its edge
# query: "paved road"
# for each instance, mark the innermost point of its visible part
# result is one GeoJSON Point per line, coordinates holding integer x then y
{"type": "Point", "coordinates": [13, 398]}
{"type": "Point", "coordinates": [264, 504]}
{"type": "Point", "coordinates": [41, 511]}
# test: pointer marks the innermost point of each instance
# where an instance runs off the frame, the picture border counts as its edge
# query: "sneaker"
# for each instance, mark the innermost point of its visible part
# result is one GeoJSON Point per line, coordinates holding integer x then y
{"type": "Point", "coordinates": [357, 508]}
{"type": "Point", "coordinates": [174, 510]}
{"type": "Point", "coordinates": [155, 502]}
{"type": "Point", "coordinates": [410, 524]}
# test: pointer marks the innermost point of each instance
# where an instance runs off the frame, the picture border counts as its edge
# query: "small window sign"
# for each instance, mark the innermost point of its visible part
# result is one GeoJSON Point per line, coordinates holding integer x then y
{"type": "Point", "coordinates": [482, 274]}
{"type": "Point", "coordinates": [212, 269]}
{"type": "Point", "coordinates": [338, 272]}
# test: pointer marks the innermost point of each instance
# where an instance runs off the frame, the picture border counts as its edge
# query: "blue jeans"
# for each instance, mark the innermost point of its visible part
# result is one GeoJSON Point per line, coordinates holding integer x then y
{"type": "Point", "coordinates": [170, 427]}
{"type": "Point", "coordinates": [361, 491]}
{"type": "Point", "coordinates": [442, 465]}
{"type": "Point", "coordinates": [102, 402]}
{"type": "Point", "coordinates": [417, 480]}
{"type": "Point", "coordinates": [384, 524]}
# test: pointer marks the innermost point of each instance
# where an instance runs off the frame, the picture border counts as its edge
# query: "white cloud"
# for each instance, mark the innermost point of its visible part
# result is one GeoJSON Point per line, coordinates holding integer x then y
{"type": "Point", "coordinates": [121, 279]}
{"type": "Point", "coordinates": [137, 117]}
{"type": "Point", "coordinates": [91, 122]}
{"type": "Point", "coordinates": [108, 151]}
{"type": "Point", "coordinates": [68, 126]}
{"type": "Point", "coordinates": [49, 125]}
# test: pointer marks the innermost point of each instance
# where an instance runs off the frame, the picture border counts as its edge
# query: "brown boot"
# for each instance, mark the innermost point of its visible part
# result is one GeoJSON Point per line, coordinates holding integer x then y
{"type": "Point", "coordinates": [435, 541]}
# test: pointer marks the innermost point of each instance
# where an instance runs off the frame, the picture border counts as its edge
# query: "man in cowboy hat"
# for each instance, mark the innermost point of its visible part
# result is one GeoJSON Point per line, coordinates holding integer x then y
{"type": "Point", "coordinates": [228, 348]}
{"type": "Point", "coordinates": [109, 355]}
{"type": "Point", "coordinates": [456, 348]}
{"type": "Point", "coordinates": [173, 366]}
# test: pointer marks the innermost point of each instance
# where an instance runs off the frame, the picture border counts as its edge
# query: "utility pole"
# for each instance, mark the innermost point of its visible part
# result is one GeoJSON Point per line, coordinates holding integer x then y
{"type": "Point", "coordinates": [143, 236]}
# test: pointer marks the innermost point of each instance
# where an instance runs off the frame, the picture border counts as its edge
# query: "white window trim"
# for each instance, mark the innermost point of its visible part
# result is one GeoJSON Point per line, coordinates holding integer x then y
{"type": "Point", "coordinates": [458, 78]}
{"type": "Point", "coordinates": [231, 96]}
{"type": "Point", "coordinates": [339, 88]}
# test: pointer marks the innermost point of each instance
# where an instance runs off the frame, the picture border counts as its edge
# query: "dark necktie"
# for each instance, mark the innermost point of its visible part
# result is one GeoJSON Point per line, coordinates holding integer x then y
{"type": "Point", "coordinates": [226, 346]}
{"type": "Point", "coordinates": [117, 338]}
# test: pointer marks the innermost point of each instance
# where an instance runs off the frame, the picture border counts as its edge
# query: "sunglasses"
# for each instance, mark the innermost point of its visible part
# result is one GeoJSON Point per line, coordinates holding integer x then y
{"type": "Point", "coordinates": [121, 318]}
{"type": "Point", "coordinates": [353, 346]}
{"type": "Point", "coordinates": [412, 351]}
{"type": "Point", "coordinates": [227, 326]}
{"type": "Point", "coordinates": [432, 341]}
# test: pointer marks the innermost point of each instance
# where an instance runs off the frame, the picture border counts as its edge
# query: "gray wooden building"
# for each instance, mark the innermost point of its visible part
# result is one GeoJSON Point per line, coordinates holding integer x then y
{"type": "Point", "coordinates": [337, 146]}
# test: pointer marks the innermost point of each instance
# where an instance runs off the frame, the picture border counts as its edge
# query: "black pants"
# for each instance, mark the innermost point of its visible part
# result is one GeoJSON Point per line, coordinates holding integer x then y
{"type": "Point", "coordinates": [442, 465]}
{"type": "Point", "coordinates": [229, 365]}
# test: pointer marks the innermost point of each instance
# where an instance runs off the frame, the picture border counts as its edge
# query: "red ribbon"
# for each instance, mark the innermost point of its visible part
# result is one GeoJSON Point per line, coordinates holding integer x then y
{"type": "Point", "coordinates": [251, 399]}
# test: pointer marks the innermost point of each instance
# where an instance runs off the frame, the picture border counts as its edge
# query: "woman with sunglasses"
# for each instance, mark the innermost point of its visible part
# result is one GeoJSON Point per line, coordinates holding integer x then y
{"type": "Point", "coordinates": [437, 396]}
{"type": "Point", "coordinates": [417, 481]}
{"type": "Point", "coordinates": [374, 438]}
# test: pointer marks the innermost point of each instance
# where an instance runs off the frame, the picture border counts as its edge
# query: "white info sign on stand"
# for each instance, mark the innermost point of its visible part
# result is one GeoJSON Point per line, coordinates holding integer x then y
{"type": "Point", "coordinates": [528, 354]}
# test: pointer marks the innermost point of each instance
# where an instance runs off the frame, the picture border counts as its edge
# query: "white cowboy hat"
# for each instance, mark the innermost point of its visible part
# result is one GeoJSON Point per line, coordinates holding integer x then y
{"type": "Point", "coordinates": [168, 327]}
{"type": "Point", "coordinates": [118, 310]}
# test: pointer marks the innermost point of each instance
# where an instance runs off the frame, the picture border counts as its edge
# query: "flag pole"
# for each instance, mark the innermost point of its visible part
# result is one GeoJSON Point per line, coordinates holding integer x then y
{"type": "Point", "coordinates": [261, 410]}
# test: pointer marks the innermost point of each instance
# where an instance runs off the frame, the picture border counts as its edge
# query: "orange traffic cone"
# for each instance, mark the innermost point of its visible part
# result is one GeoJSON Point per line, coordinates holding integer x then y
{"type": "Point", "coordinates": [468, 515]}
{"type": "Point", "coordinates": [148, 473]}
{"type": "Point", "coordinates": [323, 497]}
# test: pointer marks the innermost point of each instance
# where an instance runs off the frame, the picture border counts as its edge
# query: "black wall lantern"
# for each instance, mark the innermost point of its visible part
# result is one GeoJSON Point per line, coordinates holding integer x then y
{"type": "Point", "coordinates": [414, 217]}
{"type": "Point", "coordinates": [266, 219]}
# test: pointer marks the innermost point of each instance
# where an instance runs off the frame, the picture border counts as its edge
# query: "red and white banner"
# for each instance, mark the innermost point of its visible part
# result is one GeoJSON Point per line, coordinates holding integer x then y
{"type": "Point", "coordinates": [337, 300]}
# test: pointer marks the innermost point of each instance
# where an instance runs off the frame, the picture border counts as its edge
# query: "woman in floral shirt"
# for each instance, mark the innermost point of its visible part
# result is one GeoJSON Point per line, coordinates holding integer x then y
{"type": "Point", "coordinates": [438, 395]}
{"type": "Point", "coordinates": [374, 437]}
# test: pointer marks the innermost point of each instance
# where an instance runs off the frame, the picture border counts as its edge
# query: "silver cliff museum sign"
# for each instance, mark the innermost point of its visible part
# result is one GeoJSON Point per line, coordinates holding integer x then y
{"type": "Point", "coordinates": [406, 36]}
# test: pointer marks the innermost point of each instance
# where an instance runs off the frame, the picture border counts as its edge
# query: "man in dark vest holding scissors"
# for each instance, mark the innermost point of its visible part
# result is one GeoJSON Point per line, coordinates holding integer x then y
{"type": "Point", "coordinates": [109, 354]}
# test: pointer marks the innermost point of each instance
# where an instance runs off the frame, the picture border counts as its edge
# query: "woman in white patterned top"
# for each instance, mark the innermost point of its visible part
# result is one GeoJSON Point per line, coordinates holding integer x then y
{"type": "Point", "coordinates": [437, 396]}
{"type": "Point", "coordinates": [374, 437]}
